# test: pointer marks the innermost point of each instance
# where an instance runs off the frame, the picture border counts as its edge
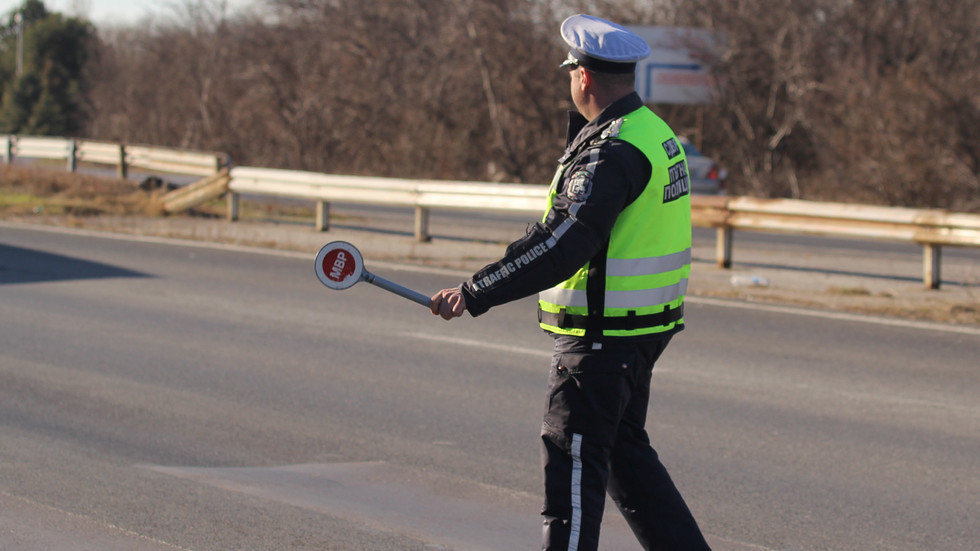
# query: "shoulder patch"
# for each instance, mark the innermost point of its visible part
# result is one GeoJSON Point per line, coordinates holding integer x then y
{"type": "Point", "coordinates": [680, 182]}
{"type": "Point", "coordinates": [671, 148]}
{"type": "Point", "coordinates": [612, 131]}
{"type": "Point", "coordinates": [579, 186]}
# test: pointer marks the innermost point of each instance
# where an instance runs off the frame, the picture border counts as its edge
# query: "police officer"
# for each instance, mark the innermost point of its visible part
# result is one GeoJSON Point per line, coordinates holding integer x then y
{"type": "Point", "coordinates": [610, 262]}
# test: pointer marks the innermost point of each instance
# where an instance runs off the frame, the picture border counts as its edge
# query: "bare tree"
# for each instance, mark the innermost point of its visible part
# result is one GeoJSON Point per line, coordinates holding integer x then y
{"type": "Point", "coordinates": [870, 100]}
{"type": "Point", "coordinates": [851, 100]}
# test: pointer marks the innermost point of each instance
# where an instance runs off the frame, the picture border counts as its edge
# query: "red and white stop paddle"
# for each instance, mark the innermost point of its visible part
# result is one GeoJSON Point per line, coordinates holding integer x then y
{"type": "Point", "coordinates": [339, 266]}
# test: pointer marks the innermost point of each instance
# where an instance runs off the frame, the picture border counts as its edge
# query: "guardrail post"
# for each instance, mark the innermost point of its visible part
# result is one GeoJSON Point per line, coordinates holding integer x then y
{"type": "Point", "coordinates": [7, 150]}
{"type": "Point", "coordinates": [123, 168]}
{"type": "Point", "coordinates": [422, 225]}
{"type": "Point", "coordinates": [322, 215]}
{"type": "Point", "coordinates": [232, 206]}
{"type": "Point", "coordinates": [72, 155]}
{"type": "Point", "coordinates": [932, 265]}
{"type": "Point", "coordinates": [11, 149]}
{"type": "Point", "coordinates": [723, 247]}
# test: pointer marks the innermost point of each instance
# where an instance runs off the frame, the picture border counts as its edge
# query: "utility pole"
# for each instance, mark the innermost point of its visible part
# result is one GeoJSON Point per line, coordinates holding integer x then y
{"type": "Point", "coordinates": [19, 21]}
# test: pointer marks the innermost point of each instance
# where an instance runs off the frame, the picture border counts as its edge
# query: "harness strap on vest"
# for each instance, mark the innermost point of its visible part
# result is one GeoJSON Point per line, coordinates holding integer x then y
{"type": "Point", "coordinates": [631, 321]}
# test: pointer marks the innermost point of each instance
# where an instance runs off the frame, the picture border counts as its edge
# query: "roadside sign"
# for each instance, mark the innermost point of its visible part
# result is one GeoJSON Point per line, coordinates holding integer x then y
{"type": "Point", "coordinates": [678, 68]}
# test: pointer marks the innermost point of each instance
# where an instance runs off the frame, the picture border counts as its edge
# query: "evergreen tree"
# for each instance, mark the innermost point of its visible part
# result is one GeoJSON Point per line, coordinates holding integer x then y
{"type": "Point", "coordinates": [52, 112]}
{"type": "Point", "coordinates": [46, 97]}
{"type": "Point", "coordinates": [18, 102]}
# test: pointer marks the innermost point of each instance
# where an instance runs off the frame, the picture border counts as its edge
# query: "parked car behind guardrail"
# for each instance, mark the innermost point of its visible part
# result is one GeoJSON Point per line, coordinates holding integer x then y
{"type": "Point", "coordinates": [707, 178]}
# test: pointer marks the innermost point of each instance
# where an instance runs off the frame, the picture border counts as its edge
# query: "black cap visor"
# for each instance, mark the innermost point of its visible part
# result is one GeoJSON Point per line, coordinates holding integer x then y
{"type": "Point", "coordinates": [576, 58]}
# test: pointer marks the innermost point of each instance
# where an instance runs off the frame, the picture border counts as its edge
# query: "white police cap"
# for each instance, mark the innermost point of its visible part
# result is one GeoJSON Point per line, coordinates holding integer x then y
{"type": "Point", "coordinates": [601, 45]}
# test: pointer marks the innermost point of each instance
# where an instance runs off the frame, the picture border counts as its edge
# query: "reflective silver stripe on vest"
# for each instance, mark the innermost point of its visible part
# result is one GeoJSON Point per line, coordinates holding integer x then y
{"type": "Point", "coordinates": [618, 299]}
{"type": "Point", "coordinates": [649, 265]}
{"type": "Point", "coordinates": [560, 231]}
{"type": "Point", "coordinates": [593, 160]}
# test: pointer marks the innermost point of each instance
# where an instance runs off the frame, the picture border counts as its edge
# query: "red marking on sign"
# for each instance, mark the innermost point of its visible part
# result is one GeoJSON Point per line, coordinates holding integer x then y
{"type": "Point", "coordinates": [338, 264]}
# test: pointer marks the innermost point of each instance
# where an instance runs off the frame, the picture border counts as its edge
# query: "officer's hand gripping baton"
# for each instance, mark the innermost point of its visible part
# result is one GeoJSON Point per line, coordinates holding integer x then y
{"type": "Point", "coordinates": [339, 266]}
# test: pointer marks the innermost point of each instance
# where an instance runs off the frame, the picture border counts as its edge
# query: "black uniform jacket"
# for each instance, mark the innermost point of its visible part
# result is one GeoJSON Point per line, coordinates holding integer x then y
{"type": "Point", "coordinates": [552, 251]}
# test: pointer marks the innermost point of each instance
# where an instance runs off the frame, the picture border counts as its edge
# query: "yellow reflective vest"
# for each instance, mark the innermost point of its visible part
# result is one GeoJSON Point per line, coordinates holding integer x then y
{"type": "Point", "coordinates": [636, 285]}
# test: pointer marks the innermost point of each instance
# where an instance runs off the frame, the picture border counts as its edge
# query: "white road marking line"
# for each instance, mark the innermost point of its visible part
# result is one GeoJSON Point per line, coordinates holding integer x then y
{"type": "Point", "coordinates": [840, 316]}
{"type": "Point", "coordinates": [91, 519]}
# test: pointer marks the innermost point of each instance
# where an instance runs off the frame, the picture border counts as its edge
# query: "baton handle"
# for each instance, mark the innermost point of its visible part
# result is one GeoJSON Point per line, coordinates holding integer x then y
{"type": "Point", "coordinates": [393, 287]}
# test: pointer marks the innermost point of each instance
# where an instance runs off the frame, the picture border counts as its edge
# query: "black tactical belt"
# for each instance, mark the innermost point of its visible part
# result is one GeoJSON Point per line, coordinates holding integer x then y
{"type": "Point", "coordinates": [628, 322]}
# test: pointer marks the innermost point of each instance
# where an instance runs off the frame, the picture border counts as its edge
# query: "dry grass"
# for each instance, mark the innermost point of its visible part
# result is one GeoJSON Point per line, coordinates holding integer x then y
{"type": "Point", "coordinates": [27, 190]}
{"type": "Point", "coordinates": [849, 291]}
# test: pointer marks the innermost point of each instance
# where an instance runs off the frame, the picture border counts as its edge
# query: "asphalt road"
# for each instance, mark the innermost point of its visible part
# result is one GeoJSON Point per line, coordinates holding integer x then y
{"type": "Point", "coordinates": [166, 396]}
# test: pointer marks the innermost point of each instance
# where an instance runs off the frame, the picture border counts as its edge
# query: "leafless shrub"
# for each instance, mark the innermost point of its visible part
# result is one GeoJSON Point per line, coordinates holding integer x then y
{"type": "Point", "coordinates": [871, 100]}
{"type": "Point", "coordinates": [858, 100]}
{"type": "Point", "coordinates": [412, 88]}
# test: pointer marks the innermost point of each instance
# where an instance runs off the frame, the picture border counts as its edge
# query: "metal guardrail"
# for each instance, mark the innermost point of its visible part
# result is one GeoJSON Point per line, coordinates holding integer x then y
{"type": "Point", "coordinates": [123, 156]}
{"type": "Point", "coordinates": [932, 229]}
{"type": "Point", "coordinates": [422, 195]}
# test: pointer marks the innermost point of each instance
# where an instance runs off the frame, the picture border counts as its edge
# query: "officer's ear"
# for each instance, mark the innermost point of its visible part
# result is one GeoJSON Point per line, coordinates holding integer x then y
{"type": "Point", "coordinates": [587, 80]}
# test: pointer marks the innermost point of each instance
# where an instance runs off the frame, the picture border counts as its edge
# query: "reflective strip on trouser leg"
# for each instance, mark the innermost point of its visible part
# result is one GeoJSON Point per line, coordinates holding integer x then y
{"type": "Point", "coordinates": [576, 528]}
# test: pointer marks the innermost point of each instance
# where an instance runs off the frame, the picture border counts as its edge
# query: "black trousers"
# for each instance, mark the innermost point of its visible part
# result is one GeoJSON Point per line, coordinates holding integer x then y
{"type": "Point", "coordinates": [594, 441]}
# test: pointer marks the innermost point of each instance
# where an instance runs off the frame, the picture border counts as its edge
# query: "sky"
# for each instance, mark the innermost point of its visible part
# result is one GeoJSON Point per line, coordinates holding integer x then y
{"type": "Point", "coordinates": [112, 12]}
